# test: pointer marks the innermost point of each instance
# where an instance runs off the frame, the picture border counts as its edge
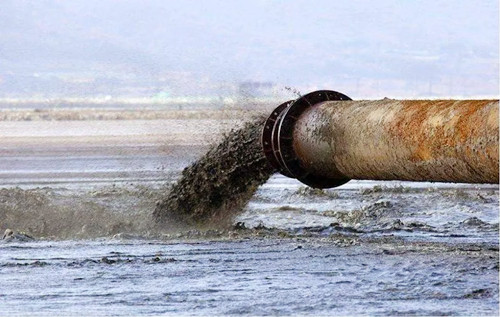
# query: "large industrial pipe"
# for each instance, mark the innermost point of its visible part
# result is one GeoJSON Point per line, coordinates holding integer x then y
{"type": "Point", "coordinates": [324, 139]}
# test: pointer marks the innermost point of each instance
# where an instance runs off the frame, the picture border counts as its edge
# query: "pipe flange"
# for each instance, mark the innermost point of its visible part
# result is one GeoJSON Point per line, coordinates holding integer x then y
{"type": "Point", "coordinates": [269, 138]}
{"type": "Point", "coordinates": [285, 153]}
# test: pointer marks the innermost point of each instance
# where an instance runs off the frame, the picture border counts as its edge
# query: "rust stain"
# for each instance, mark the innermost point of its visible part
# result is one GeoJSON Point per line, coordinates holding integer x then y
{"type": "Point", "coordinates": [423, 153]}
{"type": "Point", "coordinates": [469, 119]}
{"type": "Point", "coordinates": [433, 140]}
{"type": "Point", "coordinates": [416, 125]}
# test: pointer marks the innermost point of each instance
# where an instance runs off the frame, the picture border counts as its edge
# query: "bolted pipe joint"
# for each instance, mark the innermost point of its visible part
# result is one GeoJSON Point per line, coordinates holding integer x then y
{"type": "Point", "coordinates": [324, 139]}
{"type": "Point", "coordinates": [278, 139]}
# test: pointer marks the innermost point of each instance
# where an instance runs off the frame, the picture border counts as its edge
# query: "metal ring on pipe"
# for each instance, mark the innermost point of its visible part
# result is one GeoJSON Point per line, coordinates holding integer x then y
{"type": "Point", "coordinates": [280, 138]}
{"type": "Point", "coordinates": [269, 137]}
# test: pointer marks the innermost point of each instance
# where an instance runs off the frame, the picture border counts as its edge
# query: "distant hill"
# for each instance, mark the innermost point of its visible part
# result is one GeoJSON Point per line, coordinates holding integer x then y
{"type": "Point", "coordinates": [418, 44]}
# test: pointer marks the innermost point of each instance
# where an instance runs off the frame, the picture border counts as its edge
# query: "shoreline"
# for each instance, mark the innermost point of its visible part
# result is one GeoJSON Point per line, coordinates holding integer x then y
{"type": "Point", "coordinates": [99, 114]}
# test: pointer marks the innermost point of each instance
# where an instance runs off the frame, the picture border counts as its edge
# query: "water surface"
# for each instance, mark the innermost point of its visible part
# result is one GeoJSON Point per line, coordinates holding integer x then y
{"type": "Point", "coordinates": [377, 248]}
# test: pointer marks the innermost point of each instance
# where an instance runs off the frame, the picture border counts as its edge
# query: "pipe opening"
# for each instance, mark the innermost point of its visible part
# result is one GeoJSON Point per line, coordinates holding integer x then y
{"type": "Point", "coordinates": [278, 141]}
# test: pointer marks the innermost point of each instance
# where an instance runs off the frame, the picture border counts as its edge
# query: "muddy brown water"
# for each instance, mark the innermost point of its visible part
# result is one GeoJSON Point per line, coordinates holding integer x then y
{"type": "Point", "coordinates": [215, 187]}
{"type": "Point", "coordinates": [364, 248]}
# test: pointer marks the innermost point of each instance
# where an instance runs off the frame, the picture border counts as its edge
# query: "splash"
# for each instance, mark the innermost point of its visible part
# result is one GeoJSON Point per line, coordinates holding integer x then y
{"type": "Point", "coordinates": [47, 213]}
{"type": "Point", "coordinates": [214, 188]}
{"type": "Point", "coordinates": [210, 191]}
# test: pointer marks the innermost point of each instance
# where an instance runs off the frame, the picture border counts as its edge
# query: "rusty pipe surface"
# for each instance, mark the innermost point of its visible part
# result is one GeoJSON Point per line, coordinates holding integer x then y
{"type": "Point", "coordinates": [324, 139]}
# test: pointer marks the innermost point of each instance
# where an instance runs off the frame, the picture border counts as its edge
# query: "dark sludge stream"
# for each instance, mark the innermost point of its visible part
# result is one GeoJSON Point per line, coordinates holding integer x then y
{"type": "Point", "coordinates": [218, 185]}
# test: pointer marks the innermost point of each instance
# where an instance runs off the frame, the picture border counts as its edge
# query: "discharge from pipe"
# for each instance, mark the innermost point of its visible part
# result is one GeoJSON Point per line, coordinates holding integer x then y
{"type": "Point", "coordinates": [324, 139]}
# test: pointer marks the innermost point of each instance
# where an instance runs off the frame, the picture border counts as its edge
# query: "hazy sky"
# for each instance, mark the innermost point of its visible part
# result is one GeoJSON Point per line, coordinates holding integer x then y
{"type": "Point", "coordinates": [364, 47]}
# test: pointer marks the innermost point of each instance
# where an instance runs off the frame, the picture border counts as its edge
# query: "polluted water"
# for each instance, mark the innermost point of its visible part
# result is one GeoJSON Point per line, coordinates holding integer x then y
{"type": "Point", "coordinates": [112, 234]}
{"type": "Point", "coordinates": [220, 183]}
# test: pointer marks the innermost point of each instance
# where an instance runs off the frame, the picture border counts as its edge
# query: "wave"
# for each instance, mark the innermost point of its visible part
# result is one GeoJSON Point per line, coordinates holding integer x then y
{"type": "Point", "coordinates": [62, 214]}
